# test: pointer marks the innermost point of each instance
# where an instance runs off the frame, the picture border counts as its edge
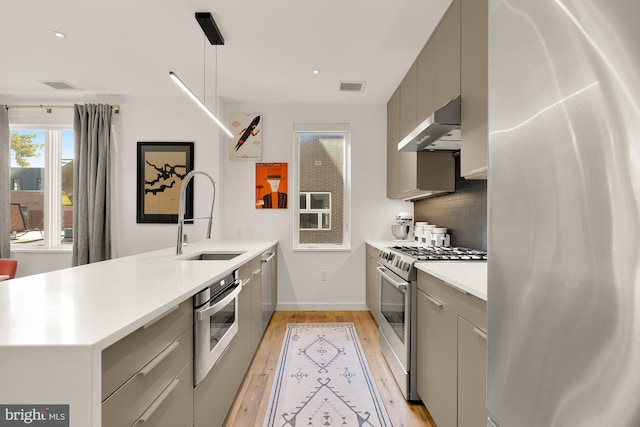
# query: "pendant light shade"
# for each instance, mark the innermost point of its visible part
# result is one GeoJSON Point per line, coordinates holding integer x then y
{"type": "Point", "coordinates": [195, 99]}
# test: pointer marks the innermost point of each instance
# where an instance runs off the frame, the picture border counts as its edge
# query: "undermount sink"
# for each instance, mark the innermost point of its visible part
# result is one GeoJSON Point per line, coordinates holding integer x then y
{"type": "Point", "coordinates": [212, 256]}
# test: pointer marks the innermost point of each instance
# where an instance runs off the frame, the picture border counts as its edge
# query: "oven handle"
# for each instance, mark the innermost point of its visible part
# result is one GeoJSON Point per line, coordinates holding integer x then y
{"type": "Point", "coordinates": [399, 285]}
{"type": "Point", "coordinates": [206, 312]}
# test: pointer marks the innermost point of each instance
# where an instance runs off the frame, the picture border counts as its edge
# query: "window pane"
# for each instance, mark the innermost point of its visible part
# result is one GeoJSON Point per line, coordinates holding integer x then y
{"type": "Point", "coordinates": [67, 186]}
{"type": "Point", "coordinates": [322, 172]}
{"type": "Point", "coordinates": [303, 201]}
{"type": "Point", "coordinates": [320, 201]}
{"type": "Point", "coordinates": [326, 221]}
{"type": "Point", "coordinates": [309, 221]}
{"type": "Point", "coordinates": [27, 183]}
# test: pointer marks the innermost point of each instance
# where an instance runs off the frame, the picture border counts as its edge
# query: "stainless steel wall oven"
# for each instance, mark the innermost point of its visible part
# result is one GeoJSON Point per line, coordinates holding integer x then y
{"type": "Point", "coordinates": [216, 322]}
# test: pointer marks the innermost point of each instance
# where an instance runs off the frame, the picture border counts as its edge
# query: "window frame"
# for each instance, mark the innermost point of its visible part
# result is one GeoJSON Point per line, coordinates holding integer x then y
{"type": "Point", "coordinates": [52, 212]}
{"type": "Point", "coordinates": [346, 231]}
{"type": "Point", "coordinates": [319, 212]}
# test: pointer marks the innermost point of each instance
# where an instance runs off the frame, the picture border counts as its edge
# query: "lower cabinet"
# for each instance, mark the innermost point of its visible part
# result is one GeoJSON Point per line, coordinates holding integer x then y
{"type": "Point", "coordinates": [452, 354]}
{"type": "Point", "coordinates": [372, 288]}
{"type": "Point", "coordinates": [437, 359]}
{"type": "Point", "coordinates": [472, 375]}
{"type": "Point", "coordinates": [147, 377]}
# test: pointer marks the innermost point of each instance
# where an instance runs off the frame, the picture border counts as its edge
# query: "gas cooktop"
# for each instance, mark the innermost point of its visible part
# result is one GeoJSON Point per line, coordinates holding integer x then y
{"type": "Point", "coordinates": [440, 253]}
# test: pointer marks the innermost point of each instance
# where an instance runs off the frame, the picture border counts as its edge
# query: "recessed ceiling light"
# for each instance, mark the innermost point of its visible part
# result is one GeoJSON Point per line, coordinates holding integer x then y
{"type": "Point", "coordinates": [316, 72]}
{"type": "Point", "coordinates": [59, 35]}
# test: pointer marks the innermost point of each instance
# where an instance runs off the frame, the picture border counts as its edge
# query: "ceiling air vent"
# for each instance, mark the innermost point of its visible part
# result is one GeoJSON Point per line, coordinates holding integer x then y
{"type": "Point", "coordinates": [351, 86]}
{"type": "Point", "coordinates": [60, 85]}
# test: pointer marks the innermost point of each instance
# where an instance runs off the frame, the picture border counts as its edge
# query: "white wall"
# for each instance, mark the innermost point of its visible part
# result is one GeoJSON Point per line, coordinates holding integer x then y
{"type": "Point", "coordinates": [299, 285]}
{"type": "Point", "coordinates": [152, 119]}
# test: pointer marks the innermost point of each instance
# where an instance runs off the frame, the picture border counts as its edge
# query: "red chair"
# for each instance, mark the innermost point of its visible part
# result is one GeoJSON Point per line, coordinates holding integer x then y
{"type": "Point", "coordinates": [8, 267]}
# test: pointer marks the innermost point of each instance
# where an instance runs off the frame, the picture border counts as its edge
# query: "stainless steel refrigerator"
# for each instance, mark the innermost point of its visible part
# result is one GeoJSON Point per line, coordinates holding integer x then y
{"type": "Point", "coordinates": [564, 213]}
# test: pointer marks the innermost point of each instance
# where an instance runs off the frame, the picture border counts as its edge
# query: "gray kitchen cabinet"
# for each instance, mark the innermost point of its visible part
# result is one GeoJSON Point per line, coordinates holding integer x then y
{"type": "Point", "coordinates": [447, 49]}
{"type": "Point", "coordinates": [452, 353]}
{"type": "Point", "coordinates": [474, 88]}
{"type": "Point", "coordinates": [437, 359]}
{"type": "Point", "coordinates": [256, 304]}
{"type": "Point", "coordinates": [148, 375]}
{"type": "Point", "coordinates": [408, 101]}
{"type": "Point", "coordinates": [426, 72]}
{"type": "Point", "coordinates": [432, 80]}
{"type": "Point", "coordinates": [393, 137]}
{"type": "Point", "coordinates": [472, 378]}
{"type": "Point", "coordinates": [373, 283]}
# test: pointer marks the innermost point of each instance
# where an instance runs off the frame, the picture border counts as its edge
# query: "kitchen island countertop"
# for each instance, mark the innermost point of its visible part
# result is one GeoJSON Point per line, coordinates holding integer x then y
{"type": "Point", "coordinates": [56, 324]}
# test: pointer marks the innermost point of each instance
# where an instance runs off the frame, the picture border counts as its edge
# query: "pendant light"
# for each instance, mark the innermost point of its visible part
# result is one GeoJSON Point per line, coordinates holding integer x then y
{"type": "Point", "coordinates": [210, 29]}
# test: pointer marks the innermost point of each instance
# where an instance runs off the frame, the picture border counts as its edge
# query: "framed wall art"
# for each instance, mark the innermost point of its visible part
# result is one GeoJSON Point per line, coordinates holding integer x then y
{"type": "Point", "coordinates": [271, 186]}
{"type": "Point", "coordinates": [247, 142]}
{"type": "Point", "coordinates": [161, 168]}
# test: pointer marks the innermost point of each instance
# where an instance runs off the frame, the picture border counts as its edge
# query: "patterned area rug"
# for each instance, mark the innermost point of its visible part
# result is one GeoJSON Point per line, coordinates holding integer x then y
{"type": "Point", "coordinates": [323, 380]}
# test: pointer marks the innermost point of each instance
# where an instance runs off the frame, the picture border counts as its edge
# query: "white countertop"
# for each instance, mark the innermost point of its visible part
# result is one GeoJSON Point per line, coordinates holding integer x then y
{"type": "Point", "coordinates": [97, 304]}
{"type": "Point", "coordinates": [469, 276]}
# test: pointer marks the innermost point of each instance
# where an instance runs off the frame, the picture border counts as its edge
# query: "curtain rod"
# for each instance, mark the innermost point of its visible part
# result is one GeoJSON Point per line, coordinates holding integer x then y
{"type": "Point", "coordinates": [48, 108]}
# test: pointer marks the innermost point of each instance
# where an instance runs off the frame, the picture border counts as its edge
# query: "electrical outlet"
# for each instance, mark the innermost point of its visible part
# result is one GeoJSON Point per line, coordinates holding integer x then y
{"type": "Point", "coordinates": [323, 275]}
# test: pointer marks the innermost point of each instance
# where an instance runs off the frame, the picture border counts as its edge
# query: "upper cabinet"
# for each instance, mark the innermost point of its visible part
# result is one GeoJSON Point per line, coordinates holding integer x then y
{"type": "Point", "coordinates": [408, 101]}
{"type": "Point", "coordinates": [393, 136]}
{"type": "Point", "coordinates": [428, 84]}
{"type": "Point", "coordinates": [452, 63]}
{"type": "Point", "coordinates": [447, 41]}
{"type": "Point", "coordinates": [473, 85]}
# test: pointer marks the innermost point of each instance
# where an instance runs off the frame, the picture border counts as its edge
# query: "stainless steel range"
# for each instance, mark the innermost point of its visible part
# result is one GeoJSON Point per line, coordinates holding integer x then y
{"type": "Point", "coordinates": [398, 276]}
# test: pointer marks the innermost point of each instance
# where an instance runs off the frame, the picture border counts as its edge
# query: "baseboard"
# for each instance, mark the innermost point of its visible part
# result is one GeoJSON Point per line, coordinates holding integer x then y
{"type": "Point", "coordinates": [321, 307]}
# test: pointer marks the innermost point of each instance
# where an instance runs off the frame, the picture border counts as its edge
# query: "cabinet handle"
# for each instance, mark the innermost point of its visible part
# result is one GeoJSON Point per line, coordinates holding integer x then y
{"type": "Point", "coordinates": [480, 333]}
{"type": "Point", "coordinates": [267, 259]}
{"type": "Point", "coordinates": [455, 288]}
{"type": "Point", "coordinates": [156, 403]}
{"type": "Point", "coordinates": [159, 358]}
{"type": "Point", "coordinates": [256, 272]}
{"type": "Point", "coordinates": [479, 170]}
{"type": "Point", "coordinates": [245, 282]}
{"type": "Point", "coordinates": [433, 300]}
{"type": "Point", "coordinates": [162, 316]}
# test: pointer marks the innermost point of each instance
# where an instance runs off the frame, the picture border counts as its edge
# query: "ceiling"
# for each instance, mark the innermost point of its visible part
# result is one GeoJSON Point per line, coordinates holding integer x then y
{"type": "Point", "coordinates": [123, 48]}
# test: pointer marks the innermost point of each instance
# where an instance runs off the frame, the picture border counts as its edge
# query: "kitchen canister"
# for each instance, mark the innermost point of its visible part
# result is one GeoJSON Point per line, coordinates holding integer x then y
{"type": "Point", "coordinates": [426, 234]}
{"type": "Point", "coordinates": [418, 230]}
{"type": "Point", "coordinates": [439, 237]}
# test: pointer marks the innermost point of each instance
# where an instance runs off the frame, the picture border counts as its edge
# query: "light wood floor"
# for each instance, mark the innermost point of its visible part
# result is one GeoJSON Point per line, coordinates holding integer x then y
{"type": "Point", "coordinates": [251, 403]}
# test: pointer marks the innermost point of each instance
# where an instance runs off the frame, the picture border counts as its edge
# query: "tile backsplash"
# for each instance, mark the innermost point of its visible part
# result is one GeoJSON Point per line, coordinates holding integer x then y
{"type": "Point", "coordinates": [464, 213]}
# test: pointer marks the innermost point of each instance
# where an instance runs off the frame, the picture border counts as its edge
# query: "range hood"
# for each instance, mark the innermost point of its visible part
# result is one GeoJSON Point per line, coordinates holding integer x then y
{"type": "Point", "coordinates": [440, 131]}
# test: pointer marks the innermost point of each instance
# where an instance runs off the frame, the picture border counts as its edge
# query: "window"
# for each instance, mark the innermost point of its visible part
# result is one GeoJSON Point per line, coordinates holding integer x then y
{"type": "Point", "coordinates": [322, 184]}
{"type": "Point", "coordinates": [315, 211]}
{"type": "Point", "coordinates": [42, 187]}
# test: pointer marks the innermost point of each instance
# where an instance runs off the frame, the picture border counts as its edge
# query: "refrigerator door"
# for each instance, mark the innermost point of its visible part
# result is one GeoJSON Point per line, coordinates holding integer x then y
{"type": "Point", "coordinates": [564, 213]}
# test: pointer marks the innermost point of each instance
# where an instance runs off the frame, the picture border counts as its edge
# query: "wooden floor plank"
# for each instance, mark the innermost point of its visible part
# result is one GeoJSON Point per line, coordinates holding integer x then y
{"type": "Point", "coordinates": [250, 405]}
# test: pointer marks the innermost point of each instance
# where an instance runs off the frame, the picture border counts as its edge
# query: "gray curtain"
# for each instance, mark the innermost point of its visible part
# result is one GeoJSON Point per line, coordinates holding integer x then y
{"type": "Point", "coordinates": [91, 189]}
{"type": "Point", "coordinates": [5, 186]}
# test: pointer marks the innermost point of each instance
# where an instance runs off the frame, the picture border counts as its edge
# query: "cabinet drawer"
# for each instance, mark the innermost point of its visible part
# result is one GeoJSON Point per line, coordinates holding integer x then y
{"type": "Point", "coordinates": [152, 383]}
{"type": "Point", "coordinates": [467, 306]}
{"type": "Point", "coordinates": [123, 359]}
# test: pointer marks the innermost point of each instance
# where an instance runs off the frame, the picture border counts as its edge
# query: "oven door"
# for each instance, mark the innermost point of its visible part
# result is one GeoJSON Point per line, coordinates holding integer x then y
{"type": "Point", "coordinates": [216, 324]}
{"type": "Point", "coordinates": [395, 307]}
